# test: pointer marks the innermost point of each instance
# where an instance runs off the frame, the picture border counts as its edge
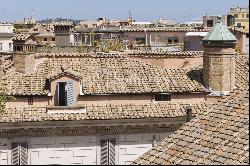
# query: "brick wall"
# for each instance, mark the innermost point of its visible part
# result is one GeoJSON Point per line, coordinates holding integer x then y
{"type": "Point", "coordinates": [24, 62]}
{"type": "Point", "coordinates": [219, 68]}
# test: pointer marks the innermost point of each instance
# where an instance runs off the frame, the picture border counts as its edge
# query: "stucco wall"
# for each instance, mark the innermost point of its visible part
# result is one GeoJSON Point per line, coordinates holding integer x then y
{"type": "Point", "coordinates": [82, 149]}
{"type": "Point", "coordinates": [172, 62]}
{"type": "Point", "coordinates": [107, 99]}
{"type": "Point", "coordinates": [189, 98]}
{"type": "Point", "coordinates": [114, 99]}
{"type": "Point", "coordinates": [3, 152]}
{"type": "Point", "coordinates": [7, 44]}
{"type": "Point", "coordinates": [23, 101]}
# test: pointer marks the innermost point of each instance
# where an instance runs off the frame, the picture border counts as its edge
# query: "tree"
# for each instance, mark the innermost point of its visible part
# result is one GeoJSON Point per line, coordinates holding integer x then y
{"type": "Point", "coordinates": [107, 46]}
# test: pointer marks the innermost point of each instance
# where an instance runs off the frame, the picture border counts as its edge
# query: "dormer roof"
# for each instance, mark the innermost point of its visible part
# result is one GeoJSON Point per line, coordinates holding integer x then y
{"type": "Point", "coordinates": [63, 71]}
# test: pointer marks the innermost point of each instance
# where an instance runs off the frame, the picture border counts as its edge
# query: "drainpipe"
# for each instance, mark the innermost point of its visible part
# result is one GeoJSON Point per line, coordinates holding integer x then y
{"type": "Point", "coordinates": [189, 112]}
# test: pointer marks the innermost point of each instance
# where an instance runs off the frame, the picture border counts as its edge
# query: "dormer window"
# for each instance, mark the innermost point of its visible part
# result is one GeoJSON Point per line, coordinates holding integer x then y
{"type": "Point", "coordinates": [66, 93]}
{"type": "Point", "coordinates": [163, 97]}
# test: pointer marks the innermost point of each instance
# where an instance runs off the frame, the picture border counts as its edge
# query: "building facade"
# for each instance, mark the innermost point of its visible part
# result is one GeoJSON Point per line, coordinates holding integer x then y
{"type": "Point", "coordinates": [6, 35]}
{"type": "Point", "coordinates": [241, 16]}
{"type": "Point", "coordinates": [73, 108]}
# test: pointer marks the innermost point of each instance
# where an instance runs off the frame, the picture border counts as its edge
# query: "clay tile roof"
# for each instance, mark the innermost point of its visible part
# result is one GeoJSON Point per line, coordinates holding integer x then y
{"type": "Point", "coordinates": [242, 72]}
{"type": "Point", "coordinates": [65, 23]}
{"type": "Point", "coordinates": [104, 112]}
{"type": "Point", "coordinates": [176, 29]}
{"type": "Point", "coordinates": [165, 54]}
{"type": "Point", "coordinates": [220, 135]}
{"type": "Point", "coordinates": [62, 72]}
{"type": "Point", "coordinates": [21, 37]}
{"type": "Point", "coordinates": [104, 75]}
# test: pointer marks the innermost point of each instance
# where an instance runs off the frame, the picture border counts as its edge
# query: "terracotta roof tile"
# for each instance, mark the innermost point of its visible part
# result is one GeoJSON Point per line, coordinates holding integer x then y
{"type": "Point", "coordinates": [227, 143]}
{"type": "Point", "coordinates": [177, 29]}
{"type": "Point", "coordinates": [165, 54]}
{"type": "Point", "coordinates": [21, 37]}
{"type": "Point", "coordinates": [105, 112]}
{"type": "Point", "coordinates": [102, 75]}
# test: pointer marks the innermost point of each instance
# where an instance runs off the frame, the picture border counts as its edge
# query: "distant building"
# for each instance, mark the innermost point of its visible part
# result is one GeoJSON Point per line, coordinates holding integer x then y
{"type": "Point", "coordinates": [142, 24]}
{"type": "Point", "coordinates": [45, 38]}
{"type": "Point", "coordinates": [241, 16]}
{"type": "Point", "coordinates": [165, 23]}
{"type": "Point", "coordinates": [64, 35]}
{"type": "Point", "coordinates": [6, 34]}
{"type": "Point", "coordinates": [193, 23]}
{"type": "Point", "coordinates": [193, 41]}
{"type": "Point", "coordinates": [24, 43]}
{"type": "Point", "coordinates": [211, 20]}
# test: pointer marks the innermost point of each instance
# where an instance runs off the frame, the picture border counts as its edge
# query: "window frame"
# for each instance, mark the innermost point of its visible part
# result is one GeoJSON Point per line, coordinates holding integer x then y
{"type": "Point", "coordinates": [68, 96]}
{"type": "Point", "coordinates": [18, 140]}
{"type": "Point", "coordinates": [163, 97]}
{"type": "Point", "coordinates": [109, 139]}
{"type": "Point", "coordinates": [30, 100]}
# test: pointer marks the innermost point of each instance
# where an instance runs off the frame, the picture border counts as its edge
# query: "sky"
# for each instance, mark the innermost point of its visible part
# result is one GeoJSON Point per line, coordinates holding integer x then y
{"type": "Point", "coordinates": [141, 10]}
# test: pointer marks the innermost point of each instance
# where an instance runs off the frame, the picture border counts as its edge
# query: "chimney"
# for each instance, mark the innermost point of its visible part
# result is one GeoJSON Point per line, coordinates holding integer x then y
{"type": "Point", "coordinates": [219, 59]}
{"type": "Point", "coordinates": [24, 62]}
{"type": "Point", "coordinates": [189, 112]}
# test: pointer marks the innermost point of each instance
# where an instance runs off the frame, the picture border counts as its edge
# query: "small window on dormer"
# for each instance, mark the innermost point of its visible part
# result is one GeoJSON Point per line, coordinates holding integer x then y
{"type": "Point", "coordinates": [163, 97]}
{"type": "Point", "coordinates": [30, 100]}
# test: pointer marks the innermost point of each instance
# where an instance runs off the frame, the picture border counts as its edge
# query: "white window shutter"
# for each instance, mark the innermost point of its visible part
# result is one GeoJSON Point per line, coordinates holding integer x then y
{"type": "Point", "coordinates": [19, 153]}
{"type": "Point", "coordinates": [112, 152]}
{"type": "Point", "coordinates": [70, 93]}
{"type": "Point", "coordinates": [14, 154]}
{"type": "Point", "coordinates": [104, 152]}
{"type": "Point", "coordinates": [57, 93]}
{"type": "Point", "coordinates": [23, 154]}
{"type": "Point", "coordinates": [108, 152]}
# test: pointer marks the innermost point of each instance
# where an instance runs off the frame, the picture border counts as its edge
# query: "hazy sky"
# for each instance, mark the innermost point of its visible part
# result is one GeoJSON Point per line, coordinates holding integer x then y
{"type": "Point", "coordinates": [142, 10]}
